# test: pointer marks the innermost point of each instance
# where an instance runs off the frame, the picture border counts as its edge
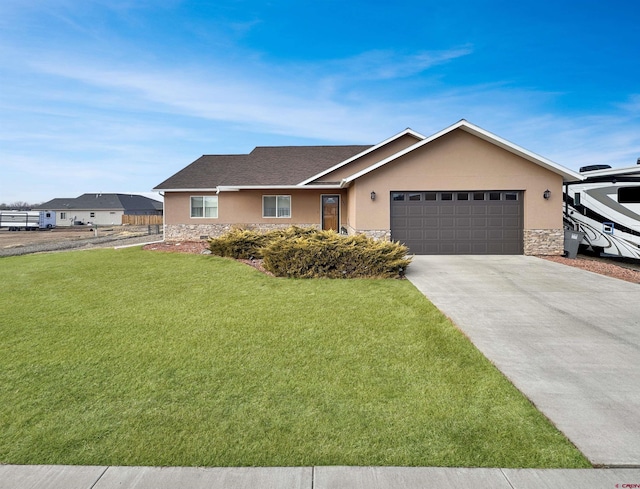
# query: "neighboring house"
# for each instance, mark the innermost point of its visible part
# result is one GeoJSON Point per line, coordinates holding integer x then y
{"type": "Point", "coordinates": [460, 191]}
{"type": "Point", "coordinates": [100, 209]}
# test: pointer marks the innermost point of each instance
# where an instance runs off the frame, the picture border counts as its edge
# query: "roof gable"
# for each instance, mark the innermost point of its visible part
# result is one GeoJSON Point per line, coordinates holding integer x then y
{"type": "Point", "coordinates": [370, 149]}
{"type": "Point", "coordinates": [567, 175]}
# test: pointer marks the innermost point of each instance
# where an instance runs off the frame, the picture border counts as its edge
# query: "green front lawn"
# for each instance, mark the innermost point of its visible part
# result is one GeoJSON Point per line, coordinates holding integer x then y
{"type": "Point", "coordinates": [131, 357]}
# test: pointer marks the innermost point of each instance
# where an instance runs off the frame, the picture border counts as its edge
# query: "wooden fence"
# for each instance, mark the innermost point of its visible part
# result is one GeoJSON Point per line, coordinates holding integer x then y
{"type": "Point", "coordinates": [141, 220]}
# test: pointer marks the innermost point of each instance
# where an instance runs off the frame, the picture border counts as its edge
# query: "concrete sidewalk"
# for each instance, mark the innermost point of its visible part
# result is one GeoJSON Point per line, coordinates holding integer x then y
{"type": "Point", "coordinates": [568, 339]}
{"type": "Point", "coordinates": [91, 477]}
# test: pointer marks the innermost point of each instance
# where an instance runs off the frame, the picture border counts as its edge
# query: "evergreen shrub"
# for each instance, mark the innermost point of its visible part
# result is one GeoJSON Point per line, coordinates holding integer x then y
{"type": "Point", "coordinates": [308, 253]}
{"type": "Point", "coordinates": [239, 244]}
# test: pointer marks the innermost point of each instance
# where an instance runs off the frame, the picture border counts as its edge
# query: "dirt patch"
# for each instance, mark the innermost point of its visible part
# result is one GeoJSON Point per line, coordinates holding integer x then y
{"type": "Point", "coordinates": [11, 239]}
{"type": "Point", "coordinates": [14, 243]}
{"type": "Point", "coordinates": [199, 247]}
{"type": "Point", "coordinates": [602, 266]}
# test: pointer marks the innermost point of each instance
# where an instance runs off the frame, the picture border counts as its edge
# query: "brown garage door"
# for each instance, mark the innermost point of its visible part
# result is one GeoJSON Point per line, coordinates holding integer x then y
{"type": "Point", "coordinates": [458, 223]}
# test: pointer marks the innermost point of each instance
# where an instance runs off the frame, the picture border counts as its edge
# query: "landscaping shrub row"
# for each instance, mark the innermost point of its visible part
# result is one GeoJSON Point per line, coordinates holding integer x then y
{"type": "Point", "coordinates": [309, 253]}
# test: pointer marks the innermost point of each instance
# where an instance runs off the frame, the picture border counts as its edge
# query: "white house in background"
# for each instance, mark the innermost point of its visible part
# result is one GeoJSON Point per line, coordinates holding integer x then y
{"type": "Point", "coordinates": [100, 209]}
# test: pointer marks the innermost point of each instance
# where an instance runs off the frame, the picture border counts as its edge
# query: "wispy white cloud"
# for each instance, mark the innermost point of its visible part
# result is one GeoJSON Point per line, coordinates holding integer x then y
{"type": "Point", "coordinates": [389, 64]}
{"type": "Point", "coordinates": [300, 108]}
{"type": "Point", "coordinates": [266, 100]}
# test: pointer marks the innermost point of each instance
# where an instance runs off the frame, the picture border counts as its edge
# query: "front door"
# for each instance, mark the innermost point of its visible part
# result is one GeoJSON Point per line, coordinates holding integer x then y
{"type": "Point", "coordinates": [330, 212]}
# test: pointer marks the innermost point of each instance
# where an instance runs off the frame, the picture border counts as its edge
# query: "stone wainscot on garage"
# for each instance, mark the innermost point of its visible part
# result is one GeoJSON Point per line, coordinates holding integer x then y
{"type": "Point", "coordinates": [462, 190]}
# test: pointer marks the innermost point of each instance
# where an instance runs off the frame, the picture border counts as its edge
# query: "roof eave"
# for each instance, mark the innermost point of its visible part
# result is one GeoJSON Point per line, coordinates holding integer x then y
{"type": "Point", "coordinates": [236, 188]}
{"type": "Point", "coordinates": [190, 189]}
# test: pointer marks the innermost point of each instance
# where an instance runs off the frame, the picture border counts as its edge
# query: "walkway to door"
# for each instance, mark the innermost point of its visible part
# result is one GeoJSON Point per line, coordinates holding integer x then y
{"type": "Point", "coordinates": [567, 338]}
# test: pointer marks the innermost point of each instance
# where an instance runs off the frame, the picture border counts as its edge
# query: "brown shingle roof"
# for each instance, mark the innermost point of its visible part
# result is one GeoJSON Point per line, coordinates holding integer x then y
{"type": "Point", "coordinates": [273, 165]}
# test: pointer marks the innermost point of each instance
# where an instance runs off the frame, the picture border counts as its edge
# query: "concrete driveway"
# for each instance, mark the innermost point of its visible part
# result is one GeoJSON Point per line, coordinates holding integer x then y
{"type": "Point", "coordinates": [567, 338]}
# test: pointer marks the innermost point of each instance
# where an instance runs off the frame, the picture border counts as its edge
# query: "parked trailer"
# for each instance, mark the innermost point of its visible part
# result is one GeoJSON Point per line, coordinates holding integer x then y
{"type": "Point", "coordinates": [605, 206]}
{"type": "Point", "coordinates": [27, 220]}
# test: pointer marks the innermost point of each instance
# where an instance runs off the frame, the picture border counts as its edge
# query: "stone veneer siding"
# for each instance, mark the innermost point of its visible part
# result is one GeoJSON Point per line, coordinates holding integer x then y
{"type": "Point", "coordinates": [195, 232]}
{"type": "Point", "coordinates": [377, 234]}
{"type": "Point", "coordinates": [544, 242]}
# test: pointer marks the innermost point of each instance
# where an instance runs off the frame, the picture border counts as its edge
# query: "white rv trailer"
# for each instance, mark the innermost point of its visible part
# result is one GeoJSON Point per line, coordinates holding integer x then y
{"type": "Point", "coordinates": [27, 220]}
{"type": "Point", "coordinates": [605, 206]}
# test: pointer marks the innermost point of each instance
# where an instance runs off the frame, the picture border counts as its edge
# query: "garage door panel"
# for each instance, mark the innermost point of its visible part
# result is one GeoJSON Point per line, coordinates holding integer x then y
{"type": "Point", "coordinates": [495, 248]}
{"type": "Point", "coordinates": [447, 248]}
{"type": "Point", "coordinates": [511, 234]}
{"type": "Point", "coordinates": [415, 234]}
{"type": "Point", "coordinates": [463, 248]}
{"type": "Point", "coordinates": [495, 222]}
{"type": "Point", "coordinates": [479, 222]}
{"type": "Point", "coordinates": [398, 211]}
{"type": "Point", "coordinates": [401, 235]}
{"type": "Point", "coordinates": [447, 223]}
{"type": "Point", "coordinates": [414, 222]}
{"type": "Point", "coordinates": [430, 248]}
{"type": "Point", "coordinates": [400, 222]}
{"type": "Point", "coordinates": [479, 248]}
{"type": "Point", "coordinates": [512, 248]}
{"type": "Point", "coordinates": [459, 226]}
{"type": "Point", "coordinates": [430, 222]}
{"type": "Point", "coordinates": [511, 222]}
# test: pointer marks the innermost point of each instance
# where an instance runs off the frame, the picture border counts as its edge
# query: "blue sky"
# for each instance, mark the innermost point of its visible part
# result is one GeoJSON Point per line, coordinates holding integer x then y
{"type": "Point", "coordinates": [117, 95]}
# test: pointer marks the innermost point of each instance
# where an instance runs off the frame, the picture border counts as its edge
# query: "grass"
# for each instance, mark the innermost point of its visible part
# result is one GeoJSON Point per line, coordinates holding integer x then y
{"type": "Point", "coordinates": [127, 357]}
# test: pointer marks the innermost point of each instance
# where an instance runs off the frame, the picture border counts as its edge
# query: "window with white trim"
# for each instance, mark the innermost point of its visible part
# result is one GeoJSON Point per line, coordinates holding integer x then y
{"type": "Point", "coordinates": [205, 206]}
{"type": "Point", "coordinates": [276, 206]}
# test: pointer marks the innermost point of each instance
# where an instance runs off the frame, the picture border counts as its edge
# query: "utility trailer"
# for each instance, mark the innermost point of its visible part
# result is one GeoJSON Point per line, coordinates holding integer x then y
{"type": "Point", "coordinates": [27, 220]}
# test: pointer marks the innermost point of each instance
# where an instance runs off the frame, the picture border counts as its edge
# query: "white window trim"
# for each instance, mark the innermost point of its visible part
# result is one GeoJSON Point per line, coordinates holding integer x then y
{"type": "Point", "coordinates": [276, 216]}
{"type": "Point", "coordinates": [203, 207]}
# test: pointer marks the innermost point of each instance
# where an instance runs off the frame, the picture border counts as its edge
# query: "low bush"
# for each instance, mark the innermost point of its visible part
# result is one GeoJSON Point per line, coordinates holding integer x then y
{"type": "Point", "coordinates": [239, 244]}
{"type": "Point", "coordinates": [245, 244]}
{"type": "Point", "coordinates": [309, 253]}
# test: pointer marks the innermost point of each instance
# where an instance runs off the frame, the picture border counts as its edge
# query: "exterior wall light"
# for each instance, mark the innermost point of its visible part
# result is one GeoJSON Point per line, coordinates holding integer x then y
{"type": "Point", "coordinates": [373, 196]}
{"type": "Point", "coordinates": [547, 194]}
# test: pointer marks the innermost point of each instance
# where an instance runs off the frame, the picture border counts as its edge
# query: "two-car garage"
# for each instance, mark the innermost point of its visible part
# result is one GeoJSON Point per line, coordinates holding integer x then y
{"type": "Point", "coordinates": [455, 222]}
